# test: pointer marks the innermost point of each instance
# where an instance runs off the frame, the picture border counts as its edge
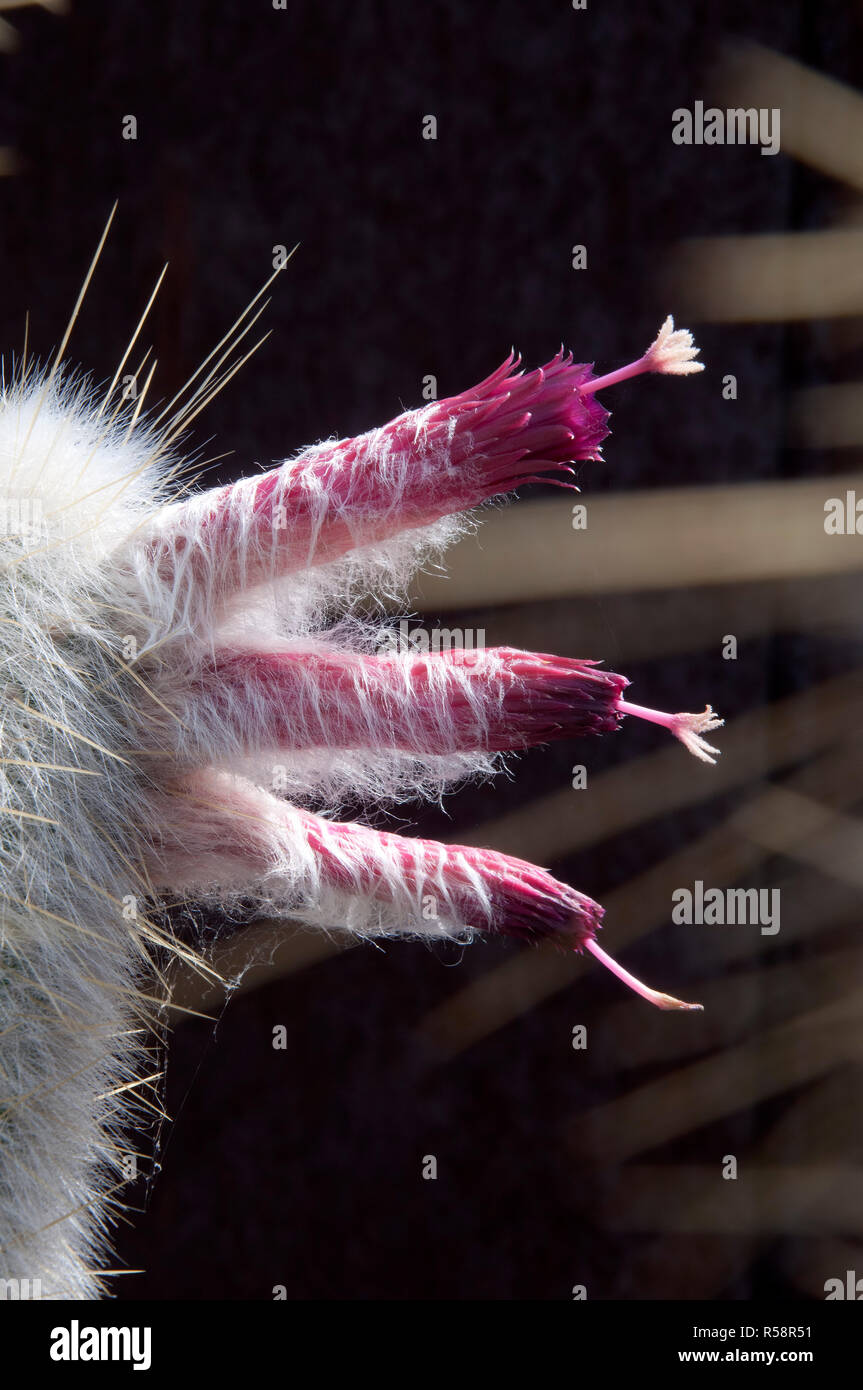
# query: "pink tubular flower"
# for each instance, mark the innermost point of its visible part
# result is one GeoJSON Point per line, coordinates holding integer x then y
{"type": "Point", "coordinates": [226, 836]}
{"type": "Point", "coordinates": [513, 428]}
{"type": "Point", "coordinates": [340, 717]}
{"type": "Point", "coordinates": [494, 699]}
{"type": "Point", "coordinates": [250, 836]}
{"type": "Point", "coordinates": [445, 702]}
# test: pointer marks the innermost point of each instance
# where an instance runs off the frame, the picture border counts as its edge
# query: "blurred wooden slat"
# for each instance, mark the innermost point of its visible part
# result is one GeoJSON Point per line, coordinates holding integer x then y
{"type": "Point", "coordinates": [761, 1200]}
{"type": "Point", "coordinates": [827, 417]}
{"type": "Point", "coordinates": [821, 121]}
{"type": "Point", "coordinates": [705, 1091]}
{"type": "Point", "coordinates": [54, 6]}
{"type": "Point", "coordinates": [702, 1263]}
{"type": "Point", "coordinates": [626, 628]}
{"type": "Point", "coordinates": [770, 277]}
{"type": "Point", "coordinates": [812, 833]}
{"type": "Point", "coordinates": [736, 1005]}
{"type": "Point", "coordinates": [662, 539]}
{"type": "Point", "coordinates": [814, 1126]}
{"type": "Point", "coordinates": [10, 39]}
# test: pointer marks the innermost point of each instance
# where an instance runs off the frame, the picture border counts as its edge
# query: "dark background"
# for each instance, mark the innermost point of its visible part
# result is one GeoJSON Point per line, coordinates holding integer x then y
{"type": "Point", "coordinates": [257, 127]}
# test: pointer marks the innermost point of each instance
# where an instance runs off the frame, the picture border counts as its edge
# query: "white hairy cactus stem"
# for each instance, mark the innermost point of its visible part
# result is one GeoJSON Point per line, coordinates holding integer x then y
{"type": "Point", "coordinates": [137, 769]}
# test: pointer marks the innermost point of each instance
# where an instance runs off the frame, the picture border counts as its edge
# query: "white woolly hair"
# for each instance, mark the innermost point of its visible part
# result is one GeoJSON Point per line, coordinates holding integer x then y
{"type": "Point", "coordinates": [115, 762]}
